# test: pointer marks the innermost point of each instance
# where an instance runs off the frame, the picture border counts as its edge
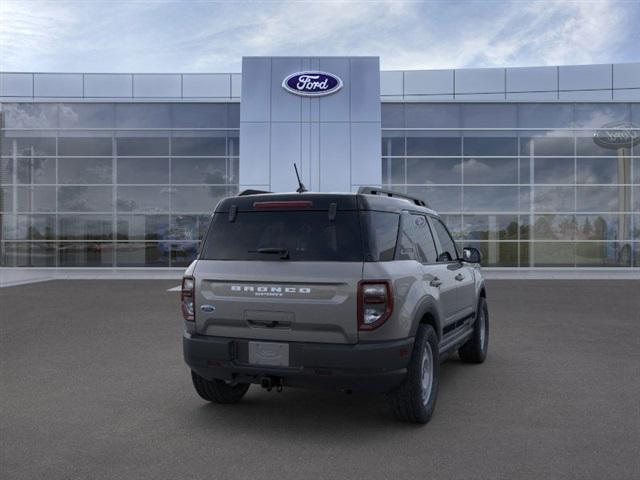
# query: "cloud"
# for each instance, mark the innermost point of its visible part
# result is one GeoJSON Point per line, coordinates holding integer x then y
{"type": "Point", "coordinates": [169, 36]}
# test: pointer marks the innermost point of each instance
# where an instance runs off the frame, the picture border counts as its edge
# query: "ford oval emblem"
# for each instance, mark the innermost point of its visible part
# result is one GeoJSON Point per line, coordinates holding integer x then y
{"type": "Point", "coordinates": [208, 308]}
{"type": "Point", "coordinates": [312, 83]}
{"type": "Point", "coordinates": [617, 135]}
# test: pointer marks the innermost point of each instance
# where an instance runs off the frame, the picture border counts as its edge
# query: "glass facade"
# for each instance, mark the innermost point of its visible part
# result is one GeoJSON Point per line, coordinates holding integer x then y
{"type": "Point", "coordinates": [112, 184]}
{"type": "Point", "coordinates": [525, 183]}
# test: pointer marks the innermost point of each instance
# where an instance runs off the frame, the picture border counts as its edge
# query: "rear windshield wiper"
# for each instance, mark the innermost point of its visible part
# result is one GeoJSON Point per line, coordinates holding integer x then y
{"type": "Point", "coordinates": [283, 252]}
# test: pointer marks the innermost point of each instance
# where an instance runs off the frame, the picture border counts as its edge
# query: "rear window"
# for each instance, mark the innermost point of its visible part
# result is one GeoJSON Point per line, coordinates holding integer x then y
{"type": "Point", "coordinates": [304, 236]}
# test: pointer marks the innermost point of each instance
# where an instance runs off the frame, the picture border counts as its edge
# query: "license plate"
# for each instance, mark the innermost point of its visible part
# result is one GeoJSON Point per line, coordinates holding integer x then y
{"type": "Point", "coordinates": [269, 353]}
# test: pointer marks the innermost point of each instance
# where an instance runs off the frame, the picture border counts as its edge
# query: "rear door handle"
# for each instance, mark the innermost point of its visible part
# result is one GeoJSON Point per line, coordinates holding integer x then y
{"type": "Point", "coordinates": [436, 282]}
{"type": "Point", "coordinates": [459, 277]}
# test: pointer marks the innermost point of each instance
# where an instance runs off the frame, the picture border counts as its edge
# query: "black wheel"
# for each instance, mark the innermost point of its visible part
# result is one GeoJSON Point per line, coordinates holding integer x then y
{"type": "Point", "coordinates": [475, 350]}
{"type": "Point", "coordinates": [218, 391]}
{"type": "Point", "coordinates": [415, 400]}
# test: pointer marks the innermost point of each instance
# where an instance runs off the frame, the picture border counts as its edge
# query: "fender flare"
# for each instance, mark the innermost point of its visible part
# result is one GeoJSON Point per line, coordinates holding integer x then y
{"type": "Point", "coordinates": [428, 305]}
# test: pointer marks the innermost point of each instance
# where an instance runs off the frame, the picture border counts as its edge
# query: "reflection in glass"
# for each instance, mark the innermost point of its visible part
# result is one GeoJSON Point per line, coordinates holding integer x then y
{"type": "Point", "coordinates": [143, 170]}
{"type": "Point", "coordinates": [200, 170]}
{"type": "Point", "coordinates": [490, 170]}
{"type": "Point", "coordinates": [392, 144]}
{"type": "Point", "coordinates": [142, 255]}
{"type": "Point", "coordinates": [86, 115]}
{"type": "Point", "coordinates": [28, 254]}
{"type": "Point", "coordinates": [540, 145]}
{"type": "Point", "coordinates": [393, 171]}
{"type": "Point", "coordinates": [603, 227]}
{"type": "Point", "coordinates": [434, 170]}
{"type": "Point", "coordinates": [85, 146]}
{"type": "Point", "coordinates": [554, 227]}
{"type": "Point", "coordinates": [489, 115]}
{"type": "Point", "coordinates": [192, 146]}
{"type": "Point", "coordinates": [428, 115]}
{"type": "Point", "coordinates": [85, 254]}
{"type": "Point", "coordinates": [85, 227]}
{"type": "Point", "coordinates": [144, 199]}
{"type": "Point", "coordinates": [85, 170]}
{"type": "Point", "coordinates": [84, 199]}
{"type": "Point", "coordinates": [441, 199]}
{"type": "Point", "coordinates": [143, 115]}
{"type": "Point", "coordinates": [188, 227]}
{"type": "Point", "coordinates": [30, 115]}
{"type": "Point", "coordinates": [197, 199]}
{"type": "Point", "coordinates": [183, 253]}
{"type": "Point", "coordinates": [603, 198]}
{"type": "Point", "coordinates": [545, 115]}
{"type": "Point", "coordinates": [36, 199]}
{"type": "Point", "coordinates": [36, 170]}
{"type": "Point", "coordinates": [490, 227]}
{"type": "Point", "coordinates": [432, 146]}
{"type": "Point", "coordinates": [142, 146]}
{"type": "Point", "coordinates": [6, 171]}
{"type": "Point", "coordinates": [29, 146]}
{"type": "Point", "coordinates": [553, 254]}
{"type": "Point", "coordinates": [393, 115]}
{"type": "Point", "coordinates": [36, 227]}
{"type": "Point", "coordinates": [491, 199]}
{"type": "Point", "coordinates": [489, 146]}
{"type": "Point", "coordinates": [603, 170]}
{"type": "Point", "coordinates": [604, 254]}
{"type": "Point", "coordinates": [496, 254]}
{"type": "Point", "coordinates": [554, 170]}
{"type": "Point", "coordinates": [554, 199]}
{"type": "Point", "coordinates": [6, 199]}
{"type": "Point", "coordinates": [597, 115]}
{"type": "Point", "coordinates": [142, 227]}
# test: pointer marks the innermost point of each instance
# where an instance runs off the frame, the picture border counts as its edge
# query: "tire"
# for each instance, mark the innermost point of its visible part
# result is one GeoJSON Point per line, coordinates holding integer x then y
{"type": "Point", "coordinates": [415, 400]}
{"type": "Point", "coordinates": [475, 349]}
{"type": "Point", "coordinates": [218, 391]}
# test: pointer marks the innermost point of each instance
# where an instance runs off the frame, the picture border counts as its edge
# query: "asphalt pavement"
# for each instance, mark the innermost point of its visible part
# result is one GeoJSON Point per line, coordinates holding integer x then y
{"type": "Point", "coordinates": [93, 386]}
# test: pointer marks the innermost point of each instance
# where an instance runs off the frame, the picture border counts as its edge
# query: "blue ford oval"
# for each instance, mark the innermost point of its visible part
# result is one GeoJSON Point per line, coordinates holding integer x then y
{"type": "Point", "coordinates": [312, 83]}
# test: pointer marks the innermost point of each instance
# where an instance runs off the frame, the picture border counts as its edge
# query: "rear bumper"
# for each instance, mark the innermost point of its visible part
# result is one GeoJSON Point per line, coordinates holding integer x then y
{"type": "Point", "coordinates": [378, 366]}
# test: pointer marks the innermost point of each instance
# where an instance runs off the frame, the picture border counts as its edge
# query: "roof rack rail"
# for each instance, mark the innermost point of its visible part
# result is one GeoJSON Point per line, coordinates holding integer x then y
{"type": "Point", "coordinates": [250, 191]}
{"type": "Point", "coordinates": [389, 193]}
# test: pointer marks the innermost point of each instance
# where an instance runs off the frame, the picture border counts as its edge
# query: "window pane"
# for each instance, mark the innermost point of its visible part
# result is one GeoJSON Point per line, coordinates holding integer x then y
{"type": "Point", "coordinates": [36, 199]}
{"type": "Point", "coordinates": [29, 115]}
{"type": "Point", "coordinates": [393, 171]}
{"type": "Point", "coordinates": [143, 170]}
{"type": "Point", "coordinates": [554, 227]}
{"type": "Point", "coordinates": [36, 227]}
{"type": "Point", "coordinates": [84, 199]}
{"type": "Point", "coordinates": [447, 245]}
{"type": "Point", "coordinates": [603, 227]}
{"type": "Point", "coordinates": [198, 146]}
{"type": "Point", "coordinates": [554, 170]}
{"type": "Point", "coordinates": [383, 233]}
{"type": "Point", "coordinates": [554, 199]}
{"type": "Point", "coordinates": [540, 145]}
{"type": "Point", "coordinates": [587, 147]}
{"type": "Point", "coordinates": [599, 114]}
{"type": "Point", "coordinates": [197, 199]}
{"type": "Point", "coordinates": [189, 227]}
{"type": "Point", "coordinates": [6, 170]}
{"type": "Point", "coordinates": [434, 170]}
{"type": "Point", "coordinates": [142, 227]}
{"type": "Point", "coordinates": [636, 170]}
{"type": "Point", "coordinates": [488, 146]}
{"type": "Point", "coordinates": [490, 227]}
{"type": "Point", "coordinates": [392, 144]}
{"type": "Point", "coordinates": [604, 170]}
{"type": "Point", "coordinates": [183, 253]}
{"type": "Point", "coordinates": [85, 170]}
{"type": "Point", "coordinates": [426, 115]}
{"type": "Point", "coordinates": [143, 146]}
{"type": "Point", "coordinates": [544, 115]}
{"type": "Point", "coordinates": [432, 146]}
{"type": "Point", "coordinates": [99, 254]}
{"type": "Point", "coordinates": [490, 199]}
{"type": "Point", "coordinates": [441, 199]}
{"type": "Point", "coordinates": [85, 227]}
{"type": "Point", "coordinates": [636, 227]}
{"type": "Point", "coordinates": [28, 146]}
{"type": "Point", "coordinates": [603, 199]}
{"type": "Point", "coordinates": [200, 115]}
{"type": "Point", "coordinates": [603, 254]}
{"type": "Point", "coordinates": [143, 199]}
{"type": "Point", "coordinates": [488, 115]}
{"type": "Point", "coordinates": [142, 115]}
{"type": "Point", "coordinates": [392, 115]}
{"type": "Point", "coordinates": [29, 255]}
{"type": "Point", "coordinates": [490, 170]}
{"type": "Point", "coordinates": [553, 254]}
{"type": "Point", "coordinates": [86, 115]}
{"type": "Point", "coordinates": [85, 146]}
{"type": "Point", "coordinates": [6, 199]}
{"type": "Point", "coordinates": [454, 224]}
{"type": "Point", "coordinates": [200, 170]}
{"type": "Point", "coordinates": [36, 170]}
{"type": "Point", "coordinates": [142, 255]}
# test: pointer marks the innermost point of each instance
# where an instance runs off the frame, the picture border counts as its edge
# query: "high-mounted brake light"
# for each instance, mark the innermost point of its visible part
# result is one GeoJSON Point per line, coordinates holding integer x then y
{"type": "Point", "coordinates": [284, 204]}
{"type": "Point", "coordinates": [375, 303]}
{"type": "Point", "coordinates": [187, 298]}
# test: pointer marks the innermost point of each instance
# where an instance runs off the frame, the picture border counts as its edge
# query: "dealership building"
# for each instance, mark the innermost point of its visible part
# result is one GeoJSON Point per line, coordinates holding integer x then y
{"type": "Point", "coordinates": [537, 167]}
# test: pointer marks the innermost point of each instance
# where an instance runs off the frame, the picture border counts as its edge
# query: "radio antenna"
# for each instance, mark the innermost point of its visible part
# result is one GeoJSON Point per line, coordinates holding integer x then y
{"type": "Point", "coordinates": [301, 187]}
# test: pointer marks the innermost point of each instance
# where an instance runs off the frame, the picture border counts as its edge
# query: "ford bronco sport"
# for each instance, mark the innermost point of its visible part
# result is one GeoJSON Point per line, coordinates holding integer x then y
{"type": "Point", "coordinates": [359, 292]}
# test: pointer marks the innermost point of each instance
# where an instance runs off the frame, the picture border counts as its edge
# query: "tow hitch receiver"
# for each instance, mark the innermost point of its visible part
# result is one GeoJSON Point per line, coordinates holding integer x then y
{"type": "Point", "coordinates": [269, 383]}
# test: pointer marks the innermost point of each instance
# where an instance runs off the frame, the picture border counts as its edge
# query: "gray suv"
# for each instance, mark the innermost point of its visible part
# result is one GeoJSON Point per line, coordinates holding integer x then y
{"type": "Point", "coordinates": [357, 292]}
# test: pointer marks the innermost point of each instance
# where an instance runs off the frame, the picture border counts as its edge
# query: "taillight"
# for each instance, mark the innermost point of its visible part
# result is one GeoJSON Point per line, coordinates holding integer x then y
{"type": "Point", "coordinates": [375, 303]}
{"type": "Point", "coordinates": [187, 298]}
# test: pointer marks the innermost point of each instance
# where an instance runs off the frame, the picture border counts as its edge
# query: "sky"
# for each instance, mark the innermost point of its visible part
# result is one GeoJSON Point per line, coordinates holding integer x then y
{"type": "Point", "coordinates": [212, 36]}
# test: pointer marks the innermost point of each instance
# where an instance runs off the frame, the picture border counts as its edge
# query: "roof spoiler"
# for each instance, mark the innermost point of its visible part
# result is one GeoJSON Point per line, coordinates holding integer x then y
{"type": "Point", "coordinates": [252, 192]}
{"type": "Point", "coordinates": [389, 193]}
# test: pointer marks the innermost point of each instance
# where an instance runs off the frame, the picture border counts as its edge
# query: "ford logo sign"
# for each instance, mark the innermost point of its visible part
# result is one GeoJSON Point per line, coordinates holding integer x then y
{"type": "Point", "coordinates": [208, 308]}
{"type": "Point", "coordinates": [312, 83]}
{"type": "Point", "coordinates": [617, 135]}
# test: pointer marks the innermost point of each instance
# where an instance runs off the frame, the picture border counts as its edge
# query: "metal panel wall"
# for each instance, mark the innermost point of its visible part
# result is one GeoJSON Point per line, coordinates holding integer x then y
{"type": "Point", "coordinates": [334, 139]}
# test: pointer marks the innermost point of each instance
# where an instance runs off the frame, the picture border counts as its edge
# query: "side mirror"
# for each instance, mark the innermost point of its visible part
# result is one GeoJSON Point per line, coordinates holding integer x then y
{"type": "Point", "coordinates": [471, 255]}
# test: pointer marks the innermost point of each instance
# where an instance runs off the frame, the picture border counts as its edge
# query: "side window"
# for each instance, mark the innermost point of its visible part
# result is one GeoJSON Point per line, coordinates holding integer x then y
{"type": "Point", "coordinates": [382, 228]}
{"type": "Point", "coordinates": [447, 245]}
{"type": "Point", "coordinates": [416, 242]}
